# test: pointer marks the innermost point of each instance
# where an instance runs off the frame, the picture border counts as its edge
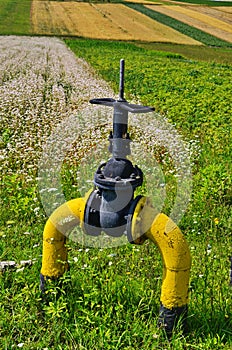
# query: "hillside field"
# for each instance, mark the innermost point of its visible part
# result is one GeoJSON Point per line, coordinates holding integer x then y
{"type": "Point", "coordinates": [119, 22]}
{"type": "Point", "coordinates": [101, 21]}
{"type": "Point", "coordinates": [215, 21]}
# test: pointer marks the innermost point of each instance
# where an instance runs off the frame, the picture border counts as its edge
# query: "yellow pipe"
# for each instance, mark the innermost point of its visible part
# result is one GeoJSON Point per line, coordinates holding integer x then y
{"type": "Point", "coordinates": [176, 260]}
{"type": "Point", "coordinates": [161, 230]}
{"type": "Point", "coordinates": [62, 220]}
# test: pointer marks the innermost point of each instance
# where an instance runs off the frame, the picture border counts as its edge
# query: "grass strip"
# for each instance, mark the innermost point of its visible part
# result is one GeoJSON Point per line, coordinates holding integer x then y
{"type": "Point", "coordinates": [15, 17]}
{"type": "Point", "coordinates": [190, 31]}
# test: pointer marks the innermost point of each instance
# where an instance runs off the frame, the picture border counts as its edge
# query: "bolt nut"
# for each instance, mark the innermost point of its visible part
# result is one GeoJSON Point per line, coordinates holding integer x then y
{"type": "Point", "coordinates": [118, 178]}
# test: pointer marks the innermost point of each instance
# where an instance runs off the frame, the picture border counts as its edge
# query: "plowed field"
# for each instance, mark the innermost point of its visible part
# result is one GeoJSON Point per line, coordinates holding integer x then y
{"type": "Point", "coordinates": [215, 21]}
{"type": "Point", "coordinates": [101, 21]}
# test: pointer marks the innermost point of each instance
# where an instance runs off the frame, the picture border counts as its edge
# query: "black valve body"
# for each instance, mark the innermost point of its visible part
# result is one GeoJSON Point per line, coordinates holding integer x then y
{"type": "Point", "coordinates": [110, 202]}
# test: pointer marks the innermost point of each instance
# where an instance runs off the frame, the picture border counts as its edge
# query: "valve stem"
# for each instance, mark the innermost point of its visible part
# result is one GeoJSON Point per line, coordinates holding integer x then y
{"type": "Point", "coordinates": [121, 80]}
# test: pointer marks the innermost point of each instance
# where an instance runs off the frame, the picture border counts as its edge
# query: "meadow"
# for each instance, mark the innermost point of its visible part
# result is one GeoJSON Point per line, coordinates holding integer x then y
{"type": "Point", "coordinates": [110, 297]}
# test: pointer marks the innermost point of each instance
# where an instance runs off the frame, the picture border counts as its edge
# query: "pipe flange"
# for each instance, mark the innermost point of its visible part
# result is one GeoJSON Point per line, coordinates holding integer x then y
{"type": "Point", "coordinates": [91, 224]}
{"type": "Point", "coordinates": [140, 218]}
{"type": "Point", "coordinates": [133, 220]}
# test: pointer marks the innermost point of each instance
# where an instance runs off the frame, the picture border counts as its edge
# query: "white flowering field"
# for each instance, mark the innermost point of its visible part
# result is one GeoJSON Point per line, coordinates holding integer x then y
{"type": "Point", "coordinates": [42, 83]}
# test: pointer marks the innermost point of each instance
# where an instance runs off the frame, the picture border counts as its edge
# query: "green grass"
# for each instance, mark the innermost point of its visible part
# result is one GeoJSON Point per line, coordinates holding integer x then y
{"type": "Point", "coordinates": [15, 17]}
{"type": "Point", "coordinates": [193, 52]}
{"type": "Point", "coordinates": [186, 29]}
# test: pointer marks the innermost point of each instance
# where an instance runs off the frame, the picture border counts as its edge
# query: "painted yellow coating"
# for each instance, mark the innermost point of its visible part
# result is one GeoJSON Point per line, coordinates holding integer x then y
{"type": "Point", "coordinates": [162, 231]}
{"type": "Point", "coordinates": [173, 248]}
{"type": "Point", "coordinates": [137, 233]}
{"type": "Point", "coordinates": [176, 261]}
{"type": "Point", "coordinates": [62, 220]}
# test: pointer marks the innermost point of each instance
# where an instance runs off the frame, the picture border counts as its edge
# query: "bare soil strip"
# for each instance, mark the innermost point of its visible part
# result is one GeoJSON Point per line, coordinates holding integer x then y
{"type": "Point", "coordinates": [193, 18]}
{"type": "Point", "coordinates": [101, 21]}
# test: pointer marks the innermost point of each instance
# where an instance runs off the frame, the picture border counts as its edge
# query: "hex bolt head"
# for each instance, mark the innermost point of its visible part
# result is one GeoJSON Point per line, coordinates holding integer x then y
{"type": "Point", "coordinates": [98, 194]}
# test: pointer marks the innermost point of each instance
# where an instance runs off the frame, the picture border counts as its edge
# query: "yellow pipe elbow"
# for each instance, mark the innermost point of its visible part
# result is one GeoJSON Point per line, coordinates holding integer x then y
{"type": "Point", "coordinates": [62, 220]}
{"type": "Point", "coordinates": [176, 261]}
{"type": "Point", "coordinates": [173, 248]}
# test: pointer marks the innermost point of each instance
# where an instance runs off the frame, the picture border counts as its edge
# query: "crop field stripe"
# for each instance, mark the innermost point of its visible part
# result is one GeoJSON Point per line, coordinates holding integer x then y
{"type": "Point", "coordinates": [205, 17]}
{"type": "Point", "coordinates": [197, 20]}
{"type": "Point", "coordinates": [139, 26]}
{"type": "Point", "coordinates": [53, 18]}
{"type": "Point", "coordinates": [145, 2]}
{"type": "Point", "coordinates": [106, 22]}
{"type": "Point", "coordinates": [226, 9]}
{"type": "Point", "coordinates": [80, 19]}
{"type": "Point", "coordinates": [184, 28]}
{"type": "Point", "coordinates": [215, 12]}
{"type": "Point", "coordinates": [201, 17]}
{"type": "Point", "coordinates": [102, 21]}
{"type": "Point", "coordinates": [85, 20]}
{"type": "Point", "coordinates": [218, 3]}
